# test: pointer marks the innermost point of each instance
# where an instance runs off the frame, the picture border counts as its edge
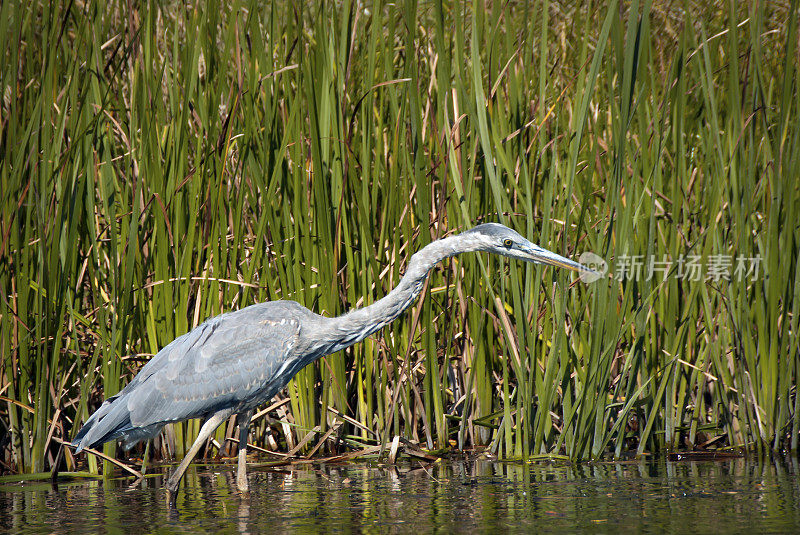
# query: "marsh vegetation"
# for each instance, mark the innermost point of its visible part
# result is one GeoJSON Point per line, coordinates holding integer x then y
{"type": "Point", "coordinates": [163, 163]}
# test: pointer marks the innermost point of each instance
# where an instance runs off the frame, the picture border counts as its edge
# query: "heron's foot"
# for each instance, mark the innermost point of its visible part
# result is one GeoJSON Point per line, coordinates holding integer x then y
{"type": "Point", "coordinates": [171, 496]}
{"type": "Point", "coordinates": [241, 472]}
{"type": "Point", "coordinates": [172, 492]}
{"type": "Point", "coordinates": [241, 483]}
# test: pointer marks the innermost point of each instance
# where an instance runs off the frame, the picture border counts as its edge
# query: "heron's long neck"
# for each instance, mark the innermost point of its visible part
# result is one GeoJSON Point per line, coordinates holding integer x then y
{"type": "Point", "coordinates": [360, 323]}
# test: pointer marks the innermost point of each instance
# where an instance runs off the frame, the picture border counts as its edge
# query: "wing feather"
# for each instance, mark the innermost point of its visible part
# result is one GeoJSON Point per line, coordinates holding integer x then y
{"type": "Point", "coordinates": [224, 362]}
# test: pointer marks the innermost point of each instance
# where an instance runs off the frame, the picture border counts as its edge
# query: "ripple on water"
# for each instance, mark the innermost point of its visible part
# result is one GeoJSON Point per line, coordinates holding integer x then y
{"type": "Point", "coordinates": [451, 496]}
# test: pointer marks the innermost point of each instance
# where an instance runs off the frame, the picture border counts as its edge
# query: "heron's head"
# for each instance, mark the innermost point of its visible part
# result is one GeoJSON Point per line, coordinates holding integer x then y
{"type": "Point", "coordinates": [497, 238]}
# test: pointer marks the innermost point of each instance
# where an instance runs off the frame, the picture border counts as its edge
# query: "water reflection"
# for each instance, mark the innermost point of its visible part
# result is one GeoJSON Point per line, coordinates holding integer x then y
{"type": "Point", "coordinates": [445, 496]}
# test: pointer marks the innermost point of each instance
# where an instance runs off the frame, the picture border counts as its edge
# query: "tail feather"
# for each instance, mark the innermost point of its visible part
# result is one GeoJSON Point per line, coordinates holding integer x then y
{"type": "Point", "coordinates": [112, 420]}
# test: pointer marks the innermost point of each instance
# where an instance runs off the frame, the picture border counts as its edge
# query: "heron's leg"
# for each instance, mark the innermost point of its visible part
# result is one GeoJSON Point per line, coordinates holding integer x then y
{"type": "Point", "coordinates": [241, 472]}
{"type": "Point", "coordinates": [208, 427]}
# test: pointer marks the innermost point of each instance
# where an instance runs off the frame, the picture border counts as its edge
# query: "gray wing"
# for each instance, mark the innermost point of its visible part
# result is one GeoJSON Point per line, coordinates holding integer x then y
{"type": "Point", "coordinates": [227, 361]}
{"type": "Point", "coordinates": [231, 362]}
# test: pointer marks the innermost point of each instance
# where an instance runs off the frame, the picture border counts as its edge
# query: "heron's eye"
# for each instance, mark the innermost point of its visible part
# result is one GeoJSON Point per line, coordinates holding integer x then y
{"type": "Point", "coordinates": [507, 243]}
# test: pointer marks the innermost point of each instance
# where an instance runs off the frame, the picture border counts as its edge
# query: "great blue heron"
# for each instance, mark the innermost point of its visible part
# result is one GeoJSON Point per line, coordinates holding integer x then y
{"type": "Point", "coordinates": [236, 361]}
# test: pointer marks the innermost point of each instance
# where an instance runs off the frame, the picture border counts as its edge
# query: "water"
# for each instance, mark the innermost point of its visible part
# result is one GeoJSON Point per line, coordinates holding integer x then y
{"type": "Point", "coordinates": [732, 496]}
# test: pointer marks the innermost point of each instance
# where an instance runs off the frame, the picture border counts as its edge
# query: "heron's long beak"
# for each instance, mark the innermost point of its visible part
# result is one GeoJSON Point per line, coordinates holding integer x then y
{"type": "Point", "coordinates": [543, 256]}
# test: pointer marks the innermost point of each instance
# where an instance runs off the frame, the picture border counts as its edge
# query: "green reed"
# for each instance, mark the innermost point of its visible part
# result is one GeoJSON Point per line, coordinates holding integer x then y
{"type": "Point", "coordinates": [163, 165]}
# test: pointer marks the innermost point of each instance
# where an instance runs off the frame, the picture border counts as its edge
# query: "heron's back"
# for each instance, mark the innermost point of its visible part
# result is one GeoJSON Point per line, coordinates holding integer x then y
{"type": "Point", "coordinates": [233, 361]}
